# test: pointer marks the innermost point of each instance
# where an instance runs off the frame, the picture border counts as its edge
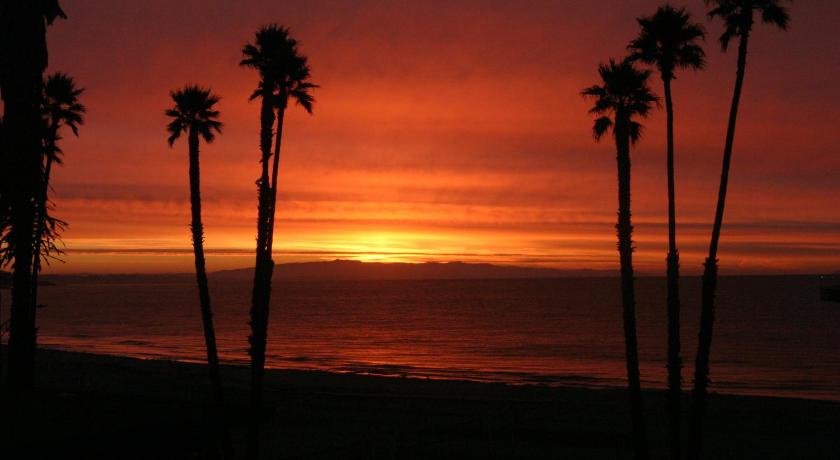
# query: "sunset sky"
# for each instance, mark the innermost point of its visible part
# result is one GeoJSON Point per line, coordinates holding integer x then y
{"type": "Point", "coordinates": [442, 131]}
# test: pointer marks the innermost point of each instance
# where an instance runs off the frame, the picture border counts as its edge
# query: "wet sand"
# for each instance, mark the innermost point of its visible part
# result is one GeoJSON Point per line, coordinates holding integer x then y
{"type": "Point", "coordinates": [89, 406]}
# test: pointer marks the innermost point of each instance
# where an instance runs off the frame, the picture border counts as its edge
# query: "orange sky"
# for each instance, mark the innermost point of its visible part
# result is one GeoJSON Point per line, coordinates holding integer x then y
{"type": "Point", "coordinates": [442, 132]}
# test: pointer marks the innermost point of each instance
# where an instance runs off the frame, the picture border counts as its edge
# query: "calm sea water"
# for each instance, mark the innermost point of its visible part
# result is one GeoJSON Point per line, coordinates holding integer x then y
{"type": "Point", "coordinates": [774, 336]}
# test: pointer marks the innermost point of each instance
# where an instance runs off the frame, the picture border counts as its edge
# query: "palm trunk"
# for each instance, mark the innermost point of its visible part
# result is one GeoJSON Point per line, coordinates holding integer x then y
{"type": "Point", "coordinates": [673, 273]}
{"type": "Point", "coordinates": [274, 170]}
{"type": "Point", "coordinates": [25, 58]}
{"type": "Point", "coordinates": [41, 220]}
{"type": "Point", "coordinates": [707, 312]}
{"type": "Point", "coordinates": [628, 296]}
{"type": "Point", "coordinates": [204, 294]}
{"type": "Point", "coordinates": [22, 332]}
{"type": "Point", "coordinates": [262, 283]}
{"type": "Point", "coordinates": [3, 215]}
{"type": "Point", "coordinates": [265, 279]}
{"type": "Point", "coordinates": [41, 224]}
{"type": "Point", "coordinates": [2, 282]}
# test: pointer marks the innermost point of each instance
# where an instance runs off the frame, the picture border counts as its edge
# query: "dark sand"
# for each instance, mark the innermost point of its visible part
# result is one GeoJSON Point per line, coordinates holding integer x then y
{"type": "Point", "coordinates": [90, 406]}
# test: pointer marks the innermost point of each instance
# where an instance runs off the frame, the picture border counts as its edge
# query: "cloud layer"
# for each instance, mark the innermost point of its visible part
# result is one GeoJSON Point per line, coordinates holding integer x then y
{"type": "Point", "coordinates": [442, 132]}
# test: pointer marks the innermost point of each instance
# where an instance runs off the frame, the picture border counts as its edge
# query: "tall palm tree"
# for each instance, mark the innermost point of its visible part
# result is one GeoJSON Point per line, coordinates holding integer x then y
{"type": "Point", "coordinates": [669, 40]}
{"type": "Point", "coordinates": [624, 95]}
{"type": "Point", "coordinates": [284, 74]}
{"type": "Point", "coordinates": [61, 108]}
{"type": "Point", "coordinates": [738, 16]}
{"type": "Point", "coordinates": [195, 114]}
{"type": "Point", "coordinates": [23, 59]}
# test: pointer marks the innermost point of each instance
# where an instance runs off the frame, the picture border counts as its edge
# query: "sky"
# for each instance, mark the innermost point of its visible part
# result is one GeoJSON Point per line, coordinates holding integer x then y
{"type": "Point", "coordinates": [442, 131]}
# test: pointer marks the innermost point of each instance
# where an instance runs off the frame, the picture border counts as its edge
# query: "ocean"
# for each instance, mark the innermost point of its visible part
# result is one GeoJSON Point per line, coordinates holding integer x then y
{"type": "Point", "coordinates": [774, 336]}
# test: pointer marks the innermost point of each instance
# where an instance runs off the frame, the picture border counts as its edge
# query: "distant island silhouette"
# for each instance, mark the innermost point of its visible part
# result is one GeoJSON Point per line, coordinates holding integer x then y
{"type": "Point", "coordinates": [341, 269]}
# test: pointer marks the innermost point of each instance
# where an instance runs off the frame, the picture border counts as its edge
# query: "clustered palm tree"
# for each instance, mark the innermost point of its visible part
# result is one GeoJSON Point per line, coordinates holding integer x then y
{"type": "Point", "coordinates": [621, 99]}
{"type": "Point", "coordinates": [284, 75]}
{"type": "Point", "coordinates": [669, 40]}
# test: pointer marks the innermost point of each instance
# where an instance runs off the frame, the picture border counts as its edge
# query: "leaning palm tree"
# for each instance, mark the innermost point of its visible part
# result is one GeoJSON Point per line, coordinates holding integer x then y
{"type": "Point", "coordinates": [284, 74]}
{"type": "Point", "coordinates": [194, 113]}
{"type": "Point", "coordinates": [61, 108]}
{"type": "Point", "coordinates": [624, 95]}
{"type": "Point", "coordinates": [293, 84]}
{"type": "Point", "coordinates": [669, 40]}
{"type": "Point", "coordinates": [738, 16]}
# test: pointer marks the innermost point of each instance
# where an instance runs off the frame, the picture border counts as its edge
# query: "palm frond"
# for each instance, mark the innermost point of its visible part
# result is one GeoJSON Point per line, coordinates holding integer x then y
{"type": "Point", "coordinates": [601, 126]}
{"type": "Point", "coordinates": [772, 12]}
{"type": "Point", "coordinates": [635, 131]}
{"type": "Point", "coordinates": [174, 128]}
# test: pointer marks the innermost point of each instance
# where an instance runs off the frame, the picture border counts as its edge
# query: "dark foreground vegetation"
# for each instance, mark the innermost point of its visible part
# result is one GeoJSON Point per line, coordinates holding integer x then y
{"type": "Point", "coordinates": [88, 406]}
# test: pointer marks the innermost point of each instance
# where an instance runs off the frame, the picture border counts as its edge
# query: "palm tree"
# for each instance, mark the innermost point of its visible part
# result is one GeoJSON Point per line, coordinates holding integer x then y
{"type": "Point", "coordinates": [61, 108]}
{"type": "Point", "coordinates": [23, 59]}
{"type": "Point", "coordinates": [284, 74]}
{"type": "Point", "coordinates": [194, 113]}
{"type": "Point", "coordinates": [738, 16]}
{"type": "Point", "coordinates": [625, 96]}
{"type": "Point", "coordinates": [4, 221]}
{"type": "Point", "coordinates": [668, 40]}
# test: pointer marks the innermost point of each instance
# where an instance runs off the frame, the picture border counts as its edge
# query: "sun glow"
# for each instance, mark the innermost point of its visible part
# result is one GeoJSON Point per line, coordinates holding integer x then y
{"type": "Point", "coordinates": [382, 246]}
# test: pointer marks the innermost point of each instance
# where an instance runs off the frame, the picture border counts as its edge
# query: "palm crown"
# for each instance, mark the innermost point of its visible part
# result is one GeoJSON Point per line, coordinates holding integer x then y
{"type": "Point", "coordinates": [62, 107]}
{"type": "Point", "coordinates": [669, 40]}
{"type": "Point", "coordinates": [194, 108]}
{"type": "Point", "coordinates": [284, 72]}
{"type": "Point", "coordinates": [61, 101]}
{"type": "Point", "coordinates": [738, 16]}
{"type": "Point", "coordinates": [624, 91]}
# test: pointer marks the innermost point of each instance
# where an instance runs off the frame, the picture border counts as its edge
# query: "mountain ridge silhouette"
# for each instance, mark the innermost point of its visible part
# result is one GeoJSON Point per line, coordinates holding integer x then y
{"type": "Point", "coordinates": [341, 269]}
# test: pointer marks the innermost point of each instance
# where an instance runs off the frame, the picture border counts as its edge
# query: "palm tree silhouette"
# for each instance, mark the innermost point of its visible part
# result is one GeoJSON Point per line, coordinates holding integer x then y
{"type": "Point", "coordinates": [624, 94]}
{"type": "Point", "coordinates": [23, 59]}
{"type": "Point", "coordinates": [738, 16]}
{"type": "Point", "coordinates": [194, 113]}
{"type": "Point", "coordinates": [284, 74]}
{"type": "Point", "coordinates": [4, 223]}
{"type": "Point", "coordinates": [61, 108]}
{"type": "Point", "coordinates": [668, 40]}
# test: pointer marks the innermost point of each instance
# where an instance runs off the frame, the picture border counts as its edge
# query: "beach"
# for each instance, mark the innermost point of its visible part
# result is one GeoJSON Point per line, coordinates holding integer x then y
{"type": "Point", "coordinates": [91, 406]}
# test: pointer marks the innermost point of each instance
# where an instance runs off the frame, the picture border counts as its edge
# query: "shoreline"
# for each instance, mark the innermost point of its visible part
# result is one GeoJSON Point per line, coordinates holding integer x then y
{"type": "Point", "coordinates": [91, 406]}
{"type": "Point", "coordinates": [563, 381]}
